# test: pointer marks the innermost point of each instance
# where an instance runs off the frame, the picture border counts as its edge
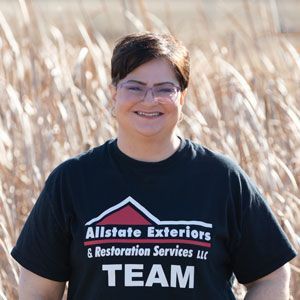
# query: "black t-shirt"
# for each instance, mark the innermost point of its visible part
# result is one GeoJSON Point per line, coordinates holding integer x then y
{"type": "Point", "coordinates": [118, 228]}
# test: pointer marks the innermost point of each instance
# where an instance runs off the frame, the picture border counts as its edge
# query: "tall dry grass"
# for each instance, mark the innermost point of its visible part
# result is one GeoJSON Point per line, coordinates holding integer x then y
{"type": "Point", "coordinates": [243, 100]}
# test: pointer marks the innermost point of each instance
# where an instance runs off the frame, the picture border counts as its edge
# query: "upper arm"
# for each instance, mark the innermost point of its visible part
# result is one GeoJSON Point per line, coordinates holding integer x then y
{"type": "Point", "coordinates": [272, 286]}
{"type": "Point", "coordinates": [281, 275]}
{"type": "Point", "coordinates": [33, 286]}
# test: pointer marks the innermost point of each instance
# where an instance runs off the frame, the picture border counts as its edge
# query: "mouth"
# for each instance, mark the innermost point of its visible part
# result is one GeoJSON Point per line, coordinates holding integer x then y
{"type": "Point", "coordinates": [149, 115]}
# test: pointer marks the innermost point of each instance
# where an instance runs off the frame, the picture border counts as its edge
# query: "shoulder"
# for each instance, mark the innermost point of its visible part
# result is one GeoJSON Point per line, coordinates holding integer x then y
{"type": "Point", "coordinates": [220, 168]}
{"type": "Point", "coordinates": [80, 164]}
{"type": "Point", "coordinates": [212, 158]}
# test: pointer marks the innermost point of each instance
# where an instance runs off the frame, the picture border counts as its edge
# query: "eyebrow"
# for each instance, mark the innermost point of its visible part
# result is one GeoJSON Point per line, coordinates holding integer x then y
{"type": "Point", "coordinates": [156, 84]}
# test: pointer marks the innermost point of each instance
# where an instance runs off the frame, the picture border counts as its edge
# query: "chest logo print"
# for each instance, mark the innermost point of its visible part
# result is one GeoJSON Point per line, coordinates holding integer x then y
{"type": "Point", "coordinates": [130, 231]}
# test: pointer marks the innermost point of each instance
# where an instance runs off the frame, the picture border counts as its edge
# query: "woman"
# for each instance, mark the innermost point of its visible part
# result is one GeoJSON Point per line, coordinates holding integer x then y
{"type": "Point", "coordinates": [149, 214]}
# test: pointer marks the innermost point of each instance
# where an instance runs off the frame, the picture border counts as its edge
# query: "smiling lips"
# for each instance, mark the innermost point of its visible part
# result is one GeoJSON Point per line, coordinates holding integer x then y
{"type": "Point", "coordinates": [149, 114]}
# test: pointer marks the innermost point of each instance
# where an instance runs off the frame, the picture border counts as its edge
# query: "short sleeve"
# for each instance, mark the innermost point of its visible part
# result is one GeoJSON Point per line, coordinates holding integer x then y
{"type": "Point", "coordinates": [263, 246]}
{"type": "Point", "coordinates": [43, 245]}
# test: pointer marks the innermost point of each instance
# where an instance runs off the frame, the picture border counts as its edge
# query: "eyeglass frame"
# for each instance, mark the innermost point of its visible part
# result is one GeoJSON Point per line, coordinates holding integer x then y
{"type": "Point", "coordinates": [147, 89]}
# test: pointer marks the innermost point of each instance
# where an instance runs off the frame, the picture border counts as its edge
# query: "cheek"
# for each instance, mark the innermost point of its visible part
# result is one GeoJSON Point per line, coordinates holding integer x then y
{"type": "Point", "coordinates": [122, 108]}
{"type": "Point", "coordinates": [119, 103]}
{"type": "Point", "coordinates": [175, 109]}
{"type": "Point", "coordinates": [122, 103]}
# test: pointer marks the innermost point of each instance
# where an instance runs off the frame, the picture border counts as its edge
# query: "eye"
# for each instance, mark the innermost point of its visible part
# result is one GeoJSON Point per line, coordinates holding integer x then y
{"type": "Point", "coordinates": [166, 90]}
{"type": "Point", "coordinates": [134, 88]}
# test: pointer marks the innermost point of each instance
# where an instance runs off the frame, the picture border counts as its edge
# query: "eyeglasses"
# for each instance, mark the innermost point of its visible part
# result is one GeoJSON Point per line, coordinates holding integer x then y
{"type": "Point", "coordinates": [134, 90]}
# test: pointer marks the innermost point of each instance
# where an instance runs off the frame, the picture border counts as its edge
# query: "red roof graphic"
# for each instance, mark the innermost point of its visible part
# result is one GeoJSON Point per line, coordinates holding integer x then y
{"type": "Point", "coordinates": [126, 215]}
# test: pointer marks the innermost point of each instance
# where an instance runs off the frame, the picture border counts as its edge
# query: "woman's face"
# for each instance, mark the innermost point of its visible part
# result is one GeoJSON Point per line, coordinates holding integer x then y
{"type": "Point", "coordinates": [146, 117]}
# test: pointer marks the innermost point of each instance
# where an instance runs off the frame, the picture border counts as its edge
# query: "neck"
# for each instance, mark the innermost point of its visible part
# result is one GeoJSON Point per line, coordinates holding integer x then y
{"type": "Point", "coordinates": [148, 149]}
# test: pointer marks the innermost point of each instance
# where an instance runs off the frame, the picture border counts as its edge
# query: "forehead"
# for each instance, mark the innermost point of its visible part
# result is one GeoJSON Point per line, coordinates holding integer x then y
{"type": "Point", "coordinates": [153, 71]}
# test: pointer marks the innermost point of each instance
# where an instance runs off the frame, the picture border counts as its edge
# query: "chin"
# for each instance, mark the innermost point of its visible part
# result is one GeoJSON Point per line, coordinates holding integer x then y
{"type": "Point", "coordinates": [148, 134]}
{"type": "Point", "coordinates": [147, 130]}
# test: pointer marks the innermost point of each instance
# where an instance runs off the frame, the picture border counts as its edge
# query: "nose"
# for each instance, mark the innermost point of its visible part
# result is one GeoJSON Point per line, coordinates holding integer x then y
{"type": "Point", "coordinates": [149, 96]}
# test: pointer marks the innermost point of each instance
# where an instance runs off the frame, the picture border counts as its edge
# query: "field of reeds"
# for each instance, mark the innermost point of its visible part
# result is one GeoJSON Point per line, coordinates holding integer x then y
{"type": "Point", "coordinates": [244, 97]}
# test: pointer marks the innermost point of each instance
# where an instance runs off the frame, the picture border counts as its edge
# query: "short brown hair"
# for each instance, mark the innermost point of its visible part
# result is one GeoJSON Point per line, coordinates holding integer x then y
{"type": "Point", "coordinates": [133, 50]}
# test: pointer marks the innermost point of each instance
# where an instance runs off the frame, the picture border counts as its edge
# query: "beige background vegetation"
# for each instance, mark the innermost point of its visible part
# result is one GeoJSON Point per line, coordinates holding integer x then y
{"type": "Point", "coordinates": [244, 96]}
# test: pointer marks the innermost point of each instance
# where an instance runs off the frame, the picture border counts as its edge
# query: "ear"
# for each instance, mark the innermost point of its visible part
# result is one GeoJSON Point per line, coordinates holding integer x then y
{"type": "Point", "coordinates": [113, 92]}
{"type": "Point", "coordinates": [182, 96]}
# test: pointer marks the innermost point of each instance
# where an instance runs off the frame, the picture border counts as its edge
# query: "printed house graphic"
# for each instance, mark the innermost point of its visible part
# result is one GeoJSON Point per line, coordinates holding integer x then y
{"type": "Point", "coordinates": [125, 215]}
{"type": "Point", "coordinates": [130, 212]}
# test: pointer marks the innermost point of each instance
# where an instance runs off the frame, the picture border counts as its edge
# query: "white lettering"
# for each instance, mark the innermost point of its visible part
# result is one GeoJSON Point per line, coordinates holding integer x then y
{"type": "Point", "coordinates": [157, 275]}
{"type": "Point", "coordinates": [111, 273]}
{"type": "Point", "coordinates": [130, 274]}
{"type": "Point", "coordinates": [207, 236]}
{"type": "Point", "coordinates": [89, 253]}
{"type": "Point", "coordinates": [150, 232]}
{"type": "Point", "coordinates": [202, 254]}
{"type": "Point", "coordinates": [183, 280]}
{"type": "Point", "coordinates": [89, 233]}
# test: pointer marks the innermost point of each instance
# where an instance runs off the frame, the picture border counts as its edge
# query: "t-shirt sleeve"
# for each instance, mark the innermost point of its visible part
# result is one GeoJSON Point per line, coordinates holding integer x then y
{"type": "Point", "coordinates": [43, 245]}
{"type": "Point", "coordinates": [262, 246]}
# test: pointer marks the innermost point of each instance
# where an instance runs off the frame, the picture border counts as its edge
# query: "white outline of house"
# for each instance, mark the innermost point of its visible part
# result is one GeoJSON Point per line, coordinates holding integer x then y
{"type": "Point", "coordinates": [147, 213]}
